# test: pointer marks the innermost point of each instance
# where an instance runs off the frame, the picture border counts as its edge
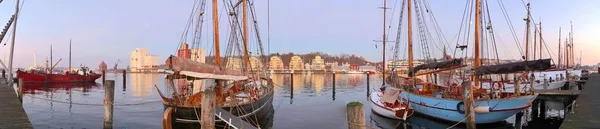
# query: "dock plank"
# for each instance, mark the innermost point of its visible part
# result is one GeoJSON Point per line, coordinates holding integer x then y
{"type": "Point", "coordinates": [588, 107]}
{"type": "Point", "coordinates": [12, 114]}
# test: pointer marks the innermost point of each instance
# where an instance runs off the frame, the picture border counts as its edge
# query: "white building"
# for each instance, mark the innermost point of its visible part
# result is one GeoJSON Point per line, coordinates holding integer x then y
{"type": "Point", "coordinates": [198, 55]}
{"type": "Point", "coordinates": [140, 60]}
{"type": "Point", "coordinates": [318, 63]}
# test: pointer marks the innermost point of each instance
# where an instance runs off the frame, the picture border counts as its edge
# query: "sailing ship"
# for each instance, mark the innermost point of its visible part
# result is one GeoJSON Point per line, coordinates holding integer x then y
{"type": "Point", "coordinates": [246, 92]}
{"type": "Point", "coordinates": [449, 101]}
{"type": "Point", "coordinates": [385, 101]}
{"type": "Point", "coordinates": [49, 76]}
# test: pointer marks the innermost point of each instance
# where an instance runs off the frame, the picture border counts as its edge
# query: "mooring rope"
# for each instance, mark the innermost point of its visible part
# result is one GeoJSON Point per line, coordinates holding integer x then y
{"type": "Point", "coordinates": [91, 104]}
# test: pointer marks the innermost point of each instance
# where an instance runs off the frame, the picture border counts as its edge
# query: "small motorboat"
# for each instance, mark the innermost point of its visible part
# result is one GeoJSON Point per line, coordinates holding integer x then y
{"type": "Point", "coordinates": [387, 104]}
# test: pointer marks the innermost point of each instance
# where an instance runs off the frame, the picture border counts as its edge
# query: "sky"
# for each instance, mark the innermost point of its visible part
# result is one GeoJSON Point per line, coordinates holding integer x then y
{"type": "Point", "coordinates": [108, 30]}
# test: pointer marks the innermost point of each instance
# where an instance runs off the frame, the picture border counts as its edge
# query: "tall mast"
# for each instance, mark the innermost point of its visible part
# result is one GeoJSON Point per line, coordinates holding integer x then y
{"type": "Point", "coordinates": [34, 60]}
{"type": "Point", "coordinates": [69, 54]}
{"type": "Point", "coordinates": [216, 33]}
{"type": "Point", "coordinates": [12, 44]}
{"type": "Point", "coordinates": [410, 41]}
{"type": "Point", "coordinates": [477, 42]}
{"type": "Point", "coordinates": [245, 18]}
{"type": "Point", "coordinates": [535, 41]}
{"type": "Point", "coordinates": [541, 41]}
{"type": "Point", "coordinates": [383, 37]}
{"type": "Point", "coordinates": [567, 52]}
{"type": "Point", "coordinates": [572, 45]}
{"type": "Point", "coordinates": [559, 54]}
{"type": "Point", "coordinates": [51, 63]}
{"type": "Point", "coordinates": [527, 34]}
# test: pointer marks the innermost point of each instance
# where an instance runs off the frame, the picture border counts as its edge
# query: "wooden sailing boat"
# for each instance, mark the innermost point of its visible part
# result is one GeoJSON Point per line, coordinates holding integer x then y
{"type": "Point", "coordinates": [247, 95]}
{"type": "Point", "coordinates": [385, 102]}
{"type": "Point", "coordinates": [446, 101]}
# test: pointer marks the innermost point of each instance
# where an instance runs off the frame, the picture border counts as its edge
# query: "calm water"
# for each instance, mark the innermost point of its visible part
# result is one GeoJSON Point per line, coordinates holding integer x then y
{"type": "Point", "coordinates": [313, 104]}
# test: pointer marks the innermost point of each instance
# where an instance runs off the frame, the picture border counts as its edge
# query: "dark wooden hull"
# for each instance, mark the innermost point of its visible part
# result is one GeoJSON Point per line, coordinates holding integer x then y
{"type": "Point", "coordinates": [262, 116]}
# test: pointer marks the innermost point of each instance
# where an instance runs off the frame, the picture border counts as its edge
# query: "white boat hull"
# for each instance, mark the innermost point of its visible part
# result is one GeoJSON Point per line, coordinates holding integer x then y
{"type": "Point", "coordinates": [378, 107]}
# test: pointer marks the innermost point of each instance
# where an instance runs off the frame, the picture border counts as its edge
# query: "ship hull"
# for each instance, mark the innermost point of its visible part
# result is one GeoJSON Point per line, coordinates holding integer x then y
{"type": "Point", "coordinates": [55, 78]}
{"type": "Point", "coordinates": [260, 112]}
{"type": "Point", "coordinates": [487, 111]}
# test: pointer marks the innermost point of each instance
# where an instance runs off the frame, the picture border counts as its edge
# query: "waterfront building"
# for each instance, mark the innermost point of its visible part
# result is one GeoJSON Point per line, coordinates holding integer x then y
{"type": "Point", "coordinates": [318, 63]}
{"type": "Point", "coordinates": [296, 63]}
{"type": "Point", "coordinates": [255, 63]}
{"type": "Point", "coordinates": [141, 60]}
{"type": "Point", "coordinates": [234, 63]}
{"type": "Point", "coordinates": [275, 63]}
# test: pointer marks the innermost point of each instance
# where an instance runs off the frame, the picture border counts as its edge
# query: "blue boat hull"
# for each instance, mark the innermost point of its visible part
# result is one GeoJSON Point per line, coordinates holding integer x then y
{"type": "Point", "coordinates": [488, 111]}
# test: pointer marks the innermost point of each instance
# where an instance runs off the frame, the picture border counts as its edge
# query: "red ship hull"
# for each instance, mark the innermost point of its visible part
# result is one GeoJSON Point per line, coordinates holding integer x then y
{"type": "Point", "coordinates": [55, 78]}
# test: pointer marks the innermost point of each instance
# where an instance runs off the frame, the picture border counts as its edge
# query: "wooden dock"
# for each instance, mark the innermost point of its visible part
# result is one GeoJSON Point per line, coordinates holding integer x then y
{"type": "Point", "coordinates": [588, 107]}
{"type": "Point", "coordinates": [12, 114]}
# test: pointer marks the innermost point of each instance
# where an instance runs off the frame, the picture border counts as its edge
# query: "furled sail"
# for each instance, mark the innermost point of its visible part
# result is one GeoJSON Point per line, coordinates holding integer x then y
{"type": "Point", "coordinates": [435, 65]}
{"type": "Point", "coordinates": [533, 65]}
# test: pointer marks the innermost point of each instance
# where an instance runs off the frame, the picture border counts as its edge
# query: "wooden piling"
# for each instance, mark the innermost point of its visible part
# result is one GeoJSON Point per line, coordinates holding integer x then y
{"type": "Point", "coordinates": [518, 124]}
{"type": "Point", "coordinates": [368, 85]}
{"type": "Point", "coordinates": [333, 91]}
{"type": "Point", "coordinates": [109, 94]}
{"type": "Point", "coordinates": [543, 109]}
{"type": "Point", "coordinates": [207, 115]}
{"type": "Point", "coordinates": [468, 100]}
{"type": "Point", "coordinates": [534, 109]}
{"type": "Point", "coordinates": [103, 76]}
{"type": "Point", "coordinates": [3, 73]}
{"type": "Point", "coordinates": [356, 115]}
{"type": "Point", "coordinates": [20, 86]}
{"type": "Point", "coordinates": [124, 79]}
{"type": "Point", "coordinates": [291, 85]}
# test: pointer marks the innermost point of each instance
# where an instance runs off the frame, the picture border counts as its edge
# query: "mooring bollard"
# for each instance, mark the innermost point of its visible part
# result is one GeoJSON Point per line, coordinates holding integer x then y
{"type": "Point", "coordinates": [20, 86]}
{"type": "Point", "coordinates": [207, 115]}
{"type": "Point", "coordinates": [109, 94]}
{"type": "Point", "coordinates": [356, 115]}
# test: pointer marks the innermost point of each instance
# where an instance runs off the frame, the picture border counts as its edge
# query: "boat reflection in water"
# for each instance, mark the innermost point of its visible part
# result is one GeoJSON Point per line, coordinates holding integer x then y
{"type": "Point", "coordinates": [419, 121]}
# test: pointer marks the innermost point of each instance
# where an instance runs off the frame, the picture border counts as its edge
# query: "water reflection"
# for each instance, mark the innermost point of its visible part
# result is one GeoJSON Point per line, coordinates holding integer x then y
{"type": "Point", "coordinates": [143, 84]}
{"type": "Point", "coordinates": [81, 106]}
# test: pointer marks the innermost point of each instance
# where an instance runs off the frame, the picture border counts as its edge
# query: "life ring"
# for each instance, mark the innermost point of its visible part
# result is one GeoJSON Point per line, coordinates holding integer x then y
{"type": "Point", "coordinates": [458, 107]}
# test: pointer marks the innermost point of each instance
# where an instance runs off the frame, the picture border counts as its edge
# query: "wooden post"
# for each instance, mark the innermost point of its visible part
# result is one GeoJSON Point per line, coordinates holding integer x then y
{"type": "Point", "coordinates": [333, 95]}
{"type": "Point", "coordinates": [291, 85]}
{"type": "Point", "coordinates": [356, 115]}
{"type": "Point", "coordinates": [368, 85]}
{"type": "Point", "coordinates": [518, 124]}
{"type": "Point", "coordinates": [103, 76]}
{"type": "Point", "coordinates": [124, 79]}
{"type": "Point", "coordinates": [3, 73]}
{"type": "Point", "coordinates": [207, 115]}
{"type": "Point", "coordinates": [468, 100]}
{"type": "Point", "coordinates": [543, 109]}
{"type": "Point", "coordinates": [517, 86]}
{"type": "Point", "coordinates": [109, 93]}
{"type": "Point", "coordinates": [534, 109]}
{"type": "Point", "coordinates": [20, 90]}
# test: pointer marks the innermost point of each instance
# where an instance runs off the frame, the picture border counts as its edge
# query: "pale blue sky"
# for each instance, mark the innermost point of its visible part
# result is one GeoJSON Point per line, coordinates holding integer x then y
{"type": "Point", "coordinates": [109, 29]}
